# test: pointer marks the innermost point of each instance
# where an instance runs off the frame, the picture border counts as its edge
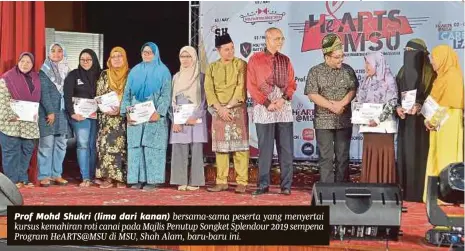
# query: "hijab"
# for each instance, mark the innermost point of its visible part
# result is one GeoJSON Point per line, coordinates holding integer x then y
{"type": "Point", "coordinates": [147, 78]}
{"type": "Point", "coordinates": [89, 76]}
{"type": "Point", "coordinates": [56, 71]}
{"type": "Point", "coordinates": [448, 87]}
{"type": "Point", "coordinates": [380, 88]}
{"type": "Point", "coordinates": [417, 70]}
{"type": "Point", "coordinates": [23, 86]}
{"type": "Point", "coordinates": [187, 80]}
{"type": "Point", "coordinates": [117, 76]}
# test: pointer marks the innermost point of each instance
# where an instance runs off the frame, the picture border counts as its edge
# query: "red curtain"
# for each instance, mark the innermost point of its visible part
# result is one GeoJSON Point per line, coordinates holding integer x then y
{"type": "Point", "coordinates": [22, 28]}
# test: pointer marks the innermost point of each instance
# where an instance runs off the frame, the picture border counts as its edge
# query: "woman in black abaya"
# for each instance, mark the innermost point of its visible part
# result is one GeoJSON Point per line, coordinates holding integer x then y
{"type": "Point", "coordinates": [413, 138]}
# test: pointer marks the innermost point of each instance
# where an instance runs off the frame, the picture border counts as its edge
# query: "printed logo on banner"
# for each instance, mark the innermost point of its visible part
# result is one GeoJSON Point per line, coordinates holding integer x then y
{"type": "Point", "coordinates": [265, 15]}
{"type": "Point", "coordinates": [308, 149]}
{"type": "Point", "coordinates": [303, 114]}
{"type": "Point", "coordinates": [246, 49]}
{"type": "Point", "coordinates": [452, 32]}
{"type": "Point", "coordinates": [361, 33]}
{"type": "Point", "coordinates": [308, 134]}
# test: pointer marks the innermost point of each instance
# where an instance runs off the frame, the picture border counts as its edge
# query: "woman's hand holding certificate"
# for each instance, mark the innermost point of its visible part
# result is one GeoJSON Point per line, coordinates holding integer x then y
{"type": "Point", "coordinates": [25, 110]}
{"type": "Point", "coordinates": [87, 108]}
{"type": "Point", "coordinates": [363, 113]}
{"type": "Point", "coordinates": [141, 113]}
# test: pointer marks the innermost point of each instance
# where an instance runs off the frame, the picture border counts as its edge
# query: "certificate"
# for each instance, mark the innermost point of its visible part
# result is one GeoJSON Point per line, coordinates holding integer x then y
{"type": "Point", "coordinates": [107, 101]}
{"type": "Point", "coordinates": [362, 113]}
{"type": "Point", "coordinates": [408, 99]}
{"type": "Point", "coordinates": [85, 107]}
{"type": "Point", "coordinates": [141, 112]}
{"type": "Point", "coordinates": [25, 110]}
{"type": "Point", "coordinates": [182, 113]}
{"type": "Point", "coordinates": [434, 113]}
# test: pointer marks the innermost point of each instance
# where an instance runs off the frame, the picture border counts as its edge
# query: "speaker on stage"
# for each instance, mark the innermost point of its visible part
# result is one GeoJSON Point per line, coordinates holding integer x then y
{"type": "Point", "coordinates": [360, 210]}
{"type": "Point", "coordinates": [9, 194]}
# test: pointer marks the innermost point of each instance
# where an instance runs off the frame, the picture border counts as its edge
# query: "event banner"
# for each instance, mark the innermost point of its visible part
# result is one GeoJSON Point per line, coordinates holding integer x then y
{"type": "Point", "coordinates": [168, 225]}
{"type": "Point", "coordinates": [363, 27]}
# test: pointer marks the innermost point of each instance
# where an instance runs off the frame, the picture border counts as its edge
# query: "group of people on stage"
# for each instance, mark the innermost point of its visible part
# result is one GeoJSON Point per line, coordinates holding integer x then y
{"type": "Point", "coordinates": [114, 151]}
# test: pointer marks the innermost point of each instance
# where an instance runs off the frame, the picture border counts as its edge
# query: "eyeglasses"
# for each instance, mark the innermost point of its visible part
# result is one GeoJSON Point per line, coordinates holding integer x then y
{"type": "Point", "coordinates": [185, 56]}
{"type": "Point", "coordinates": [85, 60]}
{"type": "Point", "coordinates": [147, 53]}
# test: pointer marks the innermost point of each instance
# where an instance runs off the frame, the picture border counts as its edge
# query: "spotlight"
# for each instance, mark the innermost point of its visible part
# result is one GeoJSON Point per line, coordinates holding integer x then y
{"type": "Point", "coordinates": [448, 187]}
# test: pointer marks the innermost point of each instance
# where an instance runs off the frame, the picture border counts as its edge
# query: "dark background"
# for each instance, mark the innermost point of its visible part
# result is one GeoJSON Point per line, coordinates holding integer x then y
{"type": "Point", "coordinates": [127, 24]}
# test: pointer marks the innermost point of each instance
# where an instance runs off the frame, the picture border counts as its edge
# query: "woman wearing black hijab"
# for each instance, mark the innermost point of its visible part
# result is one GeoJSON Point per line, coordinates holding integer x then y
{"type": "Point", "coordinates": [413, 138]}
{"type": "Point", "coordinates": [81, 83]}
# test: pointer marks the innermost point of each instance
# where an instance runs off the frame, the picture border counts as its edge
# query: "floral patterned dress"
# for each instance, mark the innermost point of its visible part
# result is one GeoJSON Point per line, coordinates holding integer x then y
{"type": "Point", "coordinates": [111, 141]}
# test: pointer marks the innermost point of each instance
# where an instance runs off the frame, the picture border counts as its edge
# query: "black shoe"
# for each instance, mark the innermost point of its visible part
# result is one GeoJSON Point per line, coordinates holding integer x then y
{"type": "Point", "coordinates": [136, 186]}
{"type": "Point", "coordinates": [261, 191]}
{"type": "Point", "coordinates": [149, 187]}
{"type": "Point", "coordinates": [286, 191]}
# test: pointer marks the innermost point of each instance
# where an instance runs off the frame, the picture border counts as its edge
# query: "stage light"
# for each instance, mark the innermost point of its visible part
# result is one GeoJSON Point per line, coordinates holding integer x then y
{"type": "Point", "coordinates": [448, 187]}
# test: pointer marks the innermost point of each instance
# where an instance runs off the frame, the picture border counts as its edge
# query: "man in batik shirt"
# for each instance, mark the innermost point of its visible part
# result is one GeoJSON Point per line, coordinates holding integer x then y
{"type": "Point", "coordinates": [225, 93]}
{"type": "Point", "coordinates": [271, 83]}
{"type": "Point", "coordinates": [332, 85]}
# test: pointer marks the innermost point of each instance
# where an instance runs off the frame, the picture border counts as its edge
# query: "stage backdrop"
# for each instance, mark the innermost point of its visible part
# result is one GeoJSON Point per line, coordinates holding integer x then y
{"type": "Point", "coordinates": [363, 27]}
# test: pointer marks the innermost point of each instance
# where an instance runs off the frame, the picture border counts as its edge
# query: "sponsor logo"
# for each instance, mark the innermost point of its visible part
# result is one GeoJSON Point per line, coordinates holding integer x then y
{"type": "Point", "coordinates": [308, 134]}
{"type": "Point", "coordinates": [362, 32]}
{"type": "Point", "coordinates": [219, 31]}
{"type": "Point", "coordinates": [265, 15]}
{"type": "Point", "coordinates": [246, 49]}
{"type": "Point", "coordinates": [302, 114]}
{"type": "Point", "coordinates": [308, 149]}
{"type": "Point", "coordinates": [254, 47]}
{"type": "Point", "coordinates": [452, 32]}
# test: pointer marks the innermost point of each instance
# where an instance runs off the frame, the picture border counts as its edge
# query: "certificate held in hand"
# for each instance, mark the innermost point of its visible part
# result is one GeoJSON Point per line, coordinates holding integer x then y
{"type": "Point", "coordinates": [362, 113]}
{"type": "Point", "coordinates": [408, 99]}
{"type": "Point", "coordinates": [434, 113]}
{"type": "Point", "coordinates": [141, 113]}
{"type": "Point", "coordinates": [85, 107]}
{"type": "Point", "coordinates": [25, 110]}
{"type": "Point", "coordinates": [182, 113]}
{"type": "Point", "coordinates": [107, 102]}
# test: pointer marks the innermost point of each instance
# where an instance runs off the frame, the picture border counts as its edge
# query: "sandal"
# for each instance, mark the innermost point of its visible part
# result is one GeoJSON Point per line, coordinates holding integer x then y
{"type": "Point", "coordinates": [45, 182]}
{"type": "Point", "coordinates": [29, 185]}
{"type": "Point", "coordinates": [85, 183]}
{"type": "Point", "coordinates": [60, 181]}
{"type": "Point", "coordinates": [191, 188]}
{"type": "Point", "coordinates": [19, 185]}
{"type": "Point", "coordinates": [182, 188]}
{"type": "Point", "coordinates": [106, 184]}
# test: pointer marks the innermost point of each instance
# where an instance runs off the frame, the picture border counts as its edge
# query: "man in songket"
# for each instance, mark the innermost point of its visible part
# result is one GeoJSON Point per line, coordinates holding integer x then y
{"type": "Point", "coordinates": [271, 83]}
{"type": "Point", "coordinates": [226, 95]}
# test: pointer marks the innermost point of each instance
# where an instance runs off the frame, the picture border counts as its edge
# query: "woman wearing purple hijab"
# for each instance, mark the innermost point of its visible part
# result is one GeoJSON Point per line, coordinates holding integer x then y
{"type": "Point", "coordinates": [17, 137]}
{"type": "Point", "coordinates": [379, 87]}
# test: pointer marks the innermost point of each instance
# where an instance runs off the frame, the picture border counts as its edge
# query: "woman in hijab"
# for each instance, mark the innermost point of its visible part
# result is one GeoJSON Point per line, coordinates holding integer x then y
{"type": "Point", "coordinates": [416, 74]}
{"type": "Point", "coordinates": [53, 122]}
{"type": "Point", "coordinates": [17, 137]}
{"type": "Point", "coordinates": [188, 89]}
{"type": "Point", "coordinates": [111, 141]}
{"type": "Point", "coordinates": [81, 83]}
{"type": "Point", "coordinates": [446, 143]}
{"type": "Point", "coordinates": [149, 80]}
{"type": "Point", "coordinates": [379, 87]}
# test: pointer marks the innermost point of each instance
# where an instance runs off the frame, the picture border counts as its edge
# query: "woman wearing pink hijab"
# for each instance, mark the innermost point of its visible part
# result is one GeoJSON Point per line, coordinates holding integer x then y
{"type": "Point", "coordinates": [379, 87]}
{"type": "Point", "coordinates": [17, 137]}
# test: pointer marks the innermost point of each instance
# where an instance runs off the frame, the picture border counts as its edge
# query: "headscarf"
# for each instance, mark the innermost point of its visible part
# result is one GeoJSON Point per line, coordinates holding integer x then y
{"type": "Point", "coordinates": [417, 70]}
{"type": "Point", "coordinates": [56, 71]}
{"type": "Point", "coordinates": [448, 86]}
{"type": "Point", "coordinates": [90, 76]}
{"type": "Point", "coordinates": [380, 88]}
{"type": "Point", "coordinates": [23, 86]}
{"type": "Point", "coordinates": [117, 76]}
{"type": "Point", "coordinates": [187, 80]}
{"type": "Point", "coordinates": [330, 43]}
{"type": "Point", "coordinates": [147, 78]}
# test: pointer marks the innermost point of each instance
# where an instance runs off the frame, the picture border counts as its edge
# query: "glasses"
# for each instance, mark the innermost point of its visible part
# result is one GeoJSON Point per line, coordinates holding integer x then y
{"type": "Point", "coordinates": [85, 60]}
{"type": "Point", "coordinates": [184, 56]}
{"type": "Point", "coordinates": [147, 53]}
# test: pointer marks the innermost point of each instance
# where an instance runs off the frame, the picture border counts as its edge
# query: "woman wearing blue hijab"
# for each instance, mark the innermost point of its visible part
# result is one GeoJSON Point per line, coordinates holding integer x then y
{"type": "Point", "coordinates": [149, 80]}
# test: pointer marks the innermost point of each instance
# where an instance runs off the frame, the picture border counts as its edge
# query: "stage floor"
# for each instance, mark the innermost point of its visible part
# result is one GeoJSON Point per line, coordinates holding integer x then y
{"type": "Point", "coordinates": [414, 222]}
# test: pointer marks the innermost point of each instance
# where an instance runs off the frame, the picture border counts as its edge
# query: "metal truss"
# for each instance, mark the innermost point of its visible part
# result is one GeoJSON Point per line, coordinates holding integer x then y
{"type": "Point", "coordinates": [194, 23]}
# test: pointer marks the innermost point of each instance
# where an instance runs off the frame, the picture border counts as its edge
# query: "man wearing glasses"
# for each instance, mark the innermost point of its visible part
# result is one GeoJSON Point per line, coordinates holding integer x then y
{"type": "Point", "coordinates": [271, 83]}
{"type": "Point", "coordinates": [332, 85]}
